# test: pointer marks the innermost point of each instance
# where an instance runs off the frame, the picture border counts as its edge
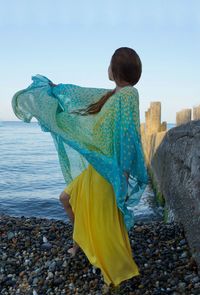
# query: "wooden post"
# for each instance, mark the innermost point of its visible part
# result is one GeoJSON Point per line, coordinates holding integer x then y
{"type": "Point", "coordinates": [152, 131]}
{"type": "Point", "coordinates": [155, 116]}
{"type": "Point", "coordinates": [196, 113]}
{"type": "Point", "coordinates": [147, 121]}
{"type": "Point", "coordinates": [183, 116]}
{"type": "Point", "coordinates": [163, 126]}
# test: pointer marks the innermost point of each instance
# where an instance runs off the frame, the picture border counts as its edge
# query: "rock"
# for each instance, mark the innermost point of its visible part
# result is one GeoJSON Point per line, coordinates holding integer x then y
{"type": "Point", "coordinates": [35, 282]}
{"type": "Point", "coordinates": [184, 255]}
{"type": "Point", "coordinates": [52, 266]}
{"type": "Point", "coordinates": [195, 280]}
{"type": "Point", "coordinates": [10, 235]}
{"type": "Point", "coordinates": [176, 169]}
{"type": "Point", "coordinates": [182, 242]}
{"type": "Point", "coordinates": [181, 286]}
{"type": "Point", "coordinates": [71, 286]}
{"type": "Point", "coordinates": [46, 246]}
{"type": "Point", "coordinates": [58, 281]}
{"type": "Point", "coordinates": [45, 239]}
{"type": "Point", "coordinates": [50, 275]}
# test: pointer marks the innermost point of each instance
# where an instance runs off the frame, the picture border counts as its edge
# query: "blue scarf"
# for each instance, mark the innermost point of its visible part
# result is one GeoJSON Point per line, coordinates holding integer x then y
{"type": "Point", "coordinates": [109, 140]}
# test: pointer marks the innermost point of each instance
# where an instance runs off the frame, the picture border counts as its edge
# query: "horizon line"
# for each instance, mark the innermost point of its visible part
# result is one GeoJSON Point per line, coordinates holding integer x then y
{"type": "Point", "coordinates": [37, 121]}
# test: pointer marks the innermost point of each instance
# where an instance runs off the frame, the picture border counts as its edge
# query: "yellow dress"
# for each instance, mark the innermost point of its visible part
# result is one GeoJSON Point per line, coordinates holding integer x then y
{"type": "Point", "coordinates": [99, 228]}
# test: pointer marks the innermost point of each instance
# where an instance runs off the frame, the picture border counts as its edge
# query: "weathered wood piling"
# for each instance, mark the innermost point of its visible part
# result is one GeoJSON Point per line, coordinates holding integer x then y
{"type": "Point", "coordinates": [153, 131]}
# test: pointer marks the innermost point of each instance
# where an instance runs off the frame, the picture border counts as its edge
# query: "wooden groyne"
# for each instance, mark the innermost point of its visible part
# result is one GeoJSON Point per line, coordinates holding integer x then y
{"type": "Point", "coordinates": [153, 130]}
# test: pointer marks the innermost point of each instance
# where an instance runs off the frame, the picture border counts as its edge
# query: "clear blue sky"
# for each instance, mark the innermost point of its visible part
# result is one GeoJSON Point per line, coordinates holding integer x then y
{"type": "Point", "coordinates": [73, 41]}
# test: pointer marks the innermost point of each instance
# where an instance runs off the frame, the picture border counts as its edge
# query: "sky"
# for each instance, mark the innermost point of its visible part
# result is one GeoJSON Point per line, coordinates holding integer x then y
{"type": "Point", "coordinates": [73, 41]}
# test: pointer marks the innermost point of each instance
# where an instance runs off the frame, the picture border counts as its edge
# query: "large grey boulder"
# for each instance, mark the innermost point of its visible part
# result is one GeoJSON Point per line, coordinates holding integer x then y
{"type": "Point", "coordinates": [176, 169]}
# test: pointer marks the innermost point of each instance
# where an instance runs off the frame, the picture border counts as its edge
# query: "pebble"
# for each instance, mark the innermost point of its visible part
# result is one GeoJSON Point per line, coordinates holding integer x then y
{"type": "Point", "coordinates": [46, 246]}
{"type": "Point", "coordinates": [34, 260]}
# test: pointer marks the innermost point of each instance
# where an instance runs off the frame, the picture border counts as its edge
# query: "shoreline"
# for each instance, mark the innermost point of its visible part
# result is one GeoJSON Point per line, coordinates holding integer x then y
{"type": "Point", "coordinates": [34, 260]}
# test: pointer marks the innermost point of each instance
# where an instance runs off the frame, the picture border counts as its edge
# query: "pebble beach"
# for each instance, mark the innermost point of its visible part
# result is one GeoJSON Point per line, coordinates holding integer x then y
{"type": "Point", "coordinates": [34, 260]}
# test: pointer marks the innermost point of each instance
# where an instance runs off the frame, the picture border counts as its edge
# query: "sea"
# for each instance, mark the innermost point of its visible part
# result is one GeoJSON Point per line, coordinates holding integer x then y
{"type": "Point", "coordinates": [31, 180]}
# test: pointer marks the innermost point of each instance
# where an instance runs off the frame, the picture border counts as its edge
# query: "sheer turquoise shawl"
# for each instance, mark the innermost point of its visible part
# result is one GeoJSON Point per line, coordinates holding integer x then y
{"type": "Point", "coordinates": [109, 140]}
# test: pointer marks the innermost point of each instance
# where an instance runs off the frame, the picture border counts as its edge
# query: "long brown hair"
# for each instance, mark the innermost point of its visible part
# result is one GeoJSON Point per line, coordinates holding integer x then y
{"type": "Point", "coordinates": [126, 67]}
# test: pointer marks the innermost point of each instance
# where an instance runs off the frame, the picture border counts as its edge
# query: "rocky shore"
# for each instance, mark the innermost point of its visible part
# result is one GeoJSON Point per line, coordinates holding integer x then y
{"type": "Point", "coordinates": [34, 260]}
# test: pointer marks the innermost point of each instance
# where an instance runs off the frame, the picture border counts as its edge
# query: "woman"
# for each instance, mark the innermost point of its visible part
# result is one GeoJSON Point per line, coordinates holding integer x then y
{"type": "Point", "coordinates": [126, 67]}
{"type": "Point", "coordinates": [106, 132]}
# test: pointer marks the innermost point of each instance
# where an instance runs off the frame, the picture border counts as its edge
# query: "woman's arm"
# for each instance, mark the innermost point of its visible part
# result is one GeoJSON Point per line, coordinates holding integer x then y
{"type": "Point", "coordinates": [77, 96]}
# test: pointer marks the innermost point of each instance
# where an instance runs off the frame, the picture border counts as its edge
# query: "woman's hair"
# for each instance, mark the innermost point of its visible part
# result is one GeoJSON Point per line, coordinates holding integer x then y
{"type": "Point", "coordinates": [126, 66]}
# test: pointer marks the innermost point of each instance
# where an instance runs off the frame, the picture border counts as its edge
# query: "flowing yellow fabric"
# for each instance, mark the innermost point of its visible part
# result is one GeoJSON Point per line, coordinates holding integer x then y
{"type": "Point", "coordinates": [99, 227]}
